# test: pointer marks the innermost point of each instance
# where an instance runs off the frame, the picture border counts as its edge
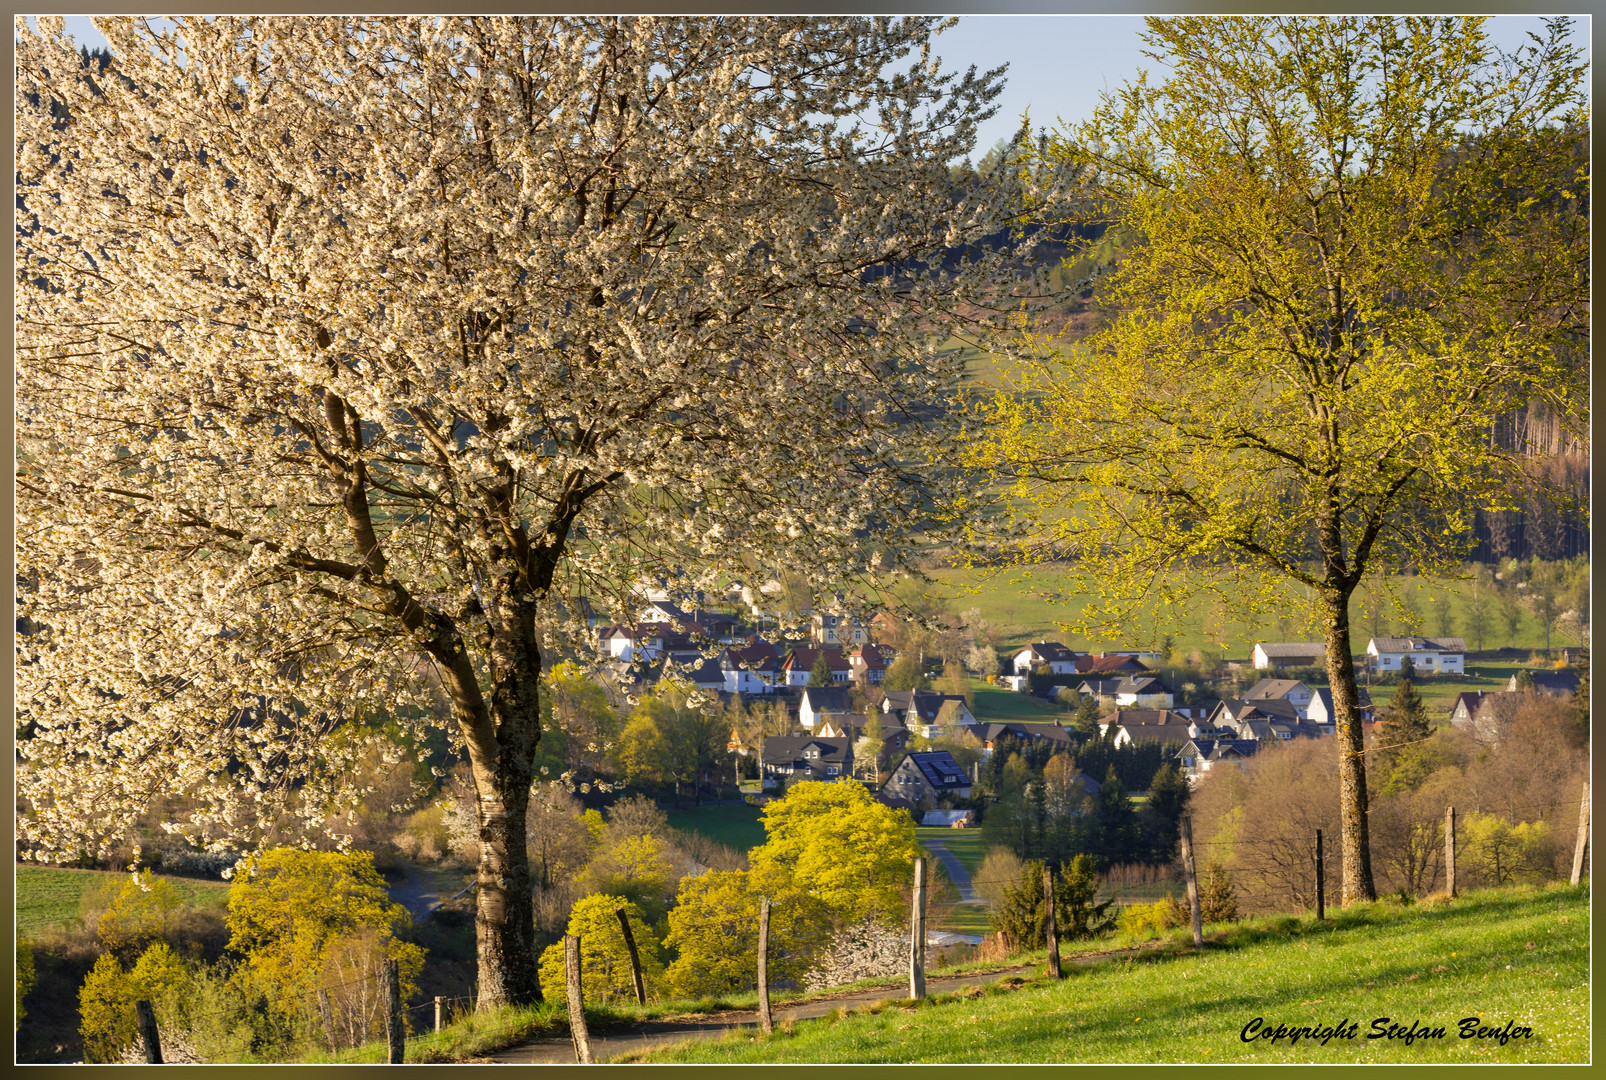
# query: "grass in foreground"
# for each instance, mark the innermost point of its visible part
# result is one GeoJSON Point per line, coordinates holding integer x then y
{"type": "Point", "coordinates": [1519, 956]}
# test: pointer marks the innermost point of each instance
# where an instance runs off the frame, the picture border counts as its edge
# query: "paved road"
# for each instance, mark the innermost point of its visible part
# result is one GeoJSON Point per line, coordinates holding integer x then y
{"type": "Point", "coordinates": [956, 873]}
{"type": "Point", "coordinates": [635, 1038]}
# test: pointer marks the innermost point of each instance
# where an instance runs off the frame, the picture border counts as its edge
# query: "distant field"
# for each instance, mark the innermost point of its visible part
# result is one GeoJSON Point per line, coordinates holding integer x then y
{"type": "Point", "coordinates": [50, 896]}
{"type": "Point", "coordinates": [1018, 604]}
{"type": "Point", "coordinates": [736, 826]}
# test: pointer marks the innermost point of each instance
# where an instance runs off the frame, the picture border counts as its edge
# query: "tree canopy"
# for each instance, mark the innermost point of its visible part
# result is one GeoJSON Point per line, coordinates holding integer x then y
{"type": "Point", "coordinates": [1360, 241]}
{"type": "Point", "coordinates": [351, 350]}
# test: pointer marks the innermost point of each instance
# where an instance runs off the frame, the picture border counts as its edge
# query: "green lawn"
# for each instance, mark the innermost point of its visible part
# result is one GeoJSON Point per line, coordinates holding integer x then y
{"type": "Point", "coordinates": [999, 704]}
{"type": "Point", "coordinates": [966, 844]}
{"type": "Point", "coordinates": [1518, 956]}
{"type": "Point", "coordinates": [736, 826]}
{"type": "Point", "coordinates": [50, 896]}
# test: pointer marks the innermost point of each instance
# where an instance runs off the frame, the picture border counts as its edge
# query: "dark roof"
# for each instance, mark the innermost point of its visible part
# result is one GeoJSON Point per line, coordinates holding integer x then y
{"type": "Point", "coordinates": [1564, 681]}
{"type": "Point", "coordinates": [939, 769]}
{"type": "Point", "coordinates": [1052, 652]}
{"type": "Point", "coordinates": [1105, 662]}
{"type": "Point", "coordinates": [788, 749]}
{"type": "Point", "coordinates": [1130, 718]}
{"type": "Point", "coordinates": [1418, 644]}
{"type": "Point", "coordinates": [1216, 749]}
{"type": "Point", "coordinates": [824, 699]}
{"type": "Point", "coordinates": [925, 703]}
{"type": "Point", "coordinates": [802, 657]}
{"type": "Point", "coordinates": [1274, 688]}
{"type": "Point", "coordinates": [1023, 730]}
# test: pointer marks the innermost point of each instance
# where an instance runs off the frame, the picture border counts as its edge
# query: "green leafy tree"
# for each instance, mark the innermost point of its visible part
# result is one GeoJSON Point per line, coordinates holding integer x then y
{"type": "Point", "coordinates": [1085, 721]}
{"type": "Point", "coordinates": [840, 845]}
{"type": "Point", "coordinates": [872, 744]}
{"type": "Point", "coordinates": [673, 740]}
{"type": "Point", "coordinates": [605, 974]}
{"type": "Point", "coordinates": [141, 911]}
{"type": "Point", "coordinates": [637, 868]}
{"type": "Point", "coordinates": [714, 931]}
{"type": "Point", "coordinates": [107, 1020]}
{"type": "Point", "coordinates": [1499, 852]}
{"type": "Point", "coordinates": [302, 919]}
{"type": "Point", "coordinates": [1305, 393]}
{"type": "Point", "coordinates": [904, 674]}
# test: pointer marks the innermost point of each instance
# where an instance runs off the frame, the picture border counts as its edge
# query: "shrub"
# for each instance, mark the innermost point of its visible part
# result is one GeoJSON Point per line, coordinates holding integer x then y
{"type": "Point", "coordinates": [605, 976]}
{"type": "Point", "coordinates": [1023, 917]}
{"type": "Point", "coordinates": [1148, 920]}
{"type": "Point", "coordinates": [107, 1020]}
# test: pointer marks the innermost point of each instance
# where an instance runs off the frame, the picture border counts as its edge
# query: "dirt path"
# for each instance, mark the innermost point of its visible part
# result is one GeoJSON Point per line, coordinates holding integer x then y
{"type": "Point", "coordinates": [634, 1038]}
{"type": "Point", "coordinates": [956, 872]}
{"type": "Point", "coordinates": [414, 888]}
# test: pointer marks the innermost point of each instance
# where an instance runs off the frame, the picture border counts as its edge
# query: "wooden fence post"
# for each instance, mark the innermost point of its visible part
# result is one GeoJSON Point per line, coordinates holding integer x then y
{"type": "Point", "coordinates": [577, 1014]}
{"type": "Point", "coordinates": [1052, 931]}
{"type": "Point", "coordinates": [395, 1030]}
{"type": "Point", "coordinates": [439, 1004]}
{"type": "Point", "coordinates": [148, 1033]}
{"type": "Point", "coordinates": [1449, 850]}
{"type": "Point", "coordinates": [764, 1019]}
{"type": "Point", "coordinates": [1193, 881]}
{"type": "Point", "coordinates": [1581, 846]}
{"type": "Point", "coordinates": [917, 934]}
{"type": "Point", "coordinates": [635, 958]}
{"type": "Point", "coordinates": [1321, 880]}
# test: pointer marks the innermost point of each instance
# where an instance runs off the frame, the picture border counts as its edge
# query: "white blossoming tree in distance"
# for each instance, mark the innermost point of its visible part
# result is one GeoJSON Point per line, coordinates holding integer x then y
{"type": "Point", "coordinates": [349, 348]}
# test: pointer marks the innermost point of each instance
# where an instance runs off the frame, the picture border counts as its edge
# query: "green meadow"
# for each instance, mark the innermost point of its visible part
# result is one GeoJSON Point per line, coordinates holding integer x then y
{"type": "Point", "coordinates": [1516, 960]}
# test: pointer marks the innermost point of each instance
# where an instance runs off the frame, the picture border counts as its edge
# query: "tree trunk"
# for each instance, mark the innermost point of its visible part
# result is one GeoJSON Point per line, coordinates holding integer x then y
{"type": "Point", "coordinates": [1352, 802]}
{"type": "Point", "coordinates": [504, 919]}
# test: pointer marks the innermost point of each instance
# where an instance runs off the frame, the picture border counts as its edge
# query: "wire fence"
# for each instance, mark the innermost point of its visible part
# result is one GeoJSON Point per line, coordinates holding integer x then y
{"type": "Point", "coordinates": [331, 1004]}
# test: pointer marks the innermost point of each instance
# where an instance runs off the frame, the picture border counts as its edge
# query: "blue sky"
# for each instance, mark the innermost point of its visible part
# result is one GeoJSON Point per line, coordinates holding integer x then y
{"type": "Point", "coordinates": [1058, 64]}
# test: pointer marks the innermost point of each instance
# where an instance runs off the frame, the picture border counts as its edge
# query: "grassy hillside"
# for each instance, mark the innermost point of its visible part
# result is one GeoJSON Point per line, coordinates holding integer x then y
{"type": "Point", "coordinates": [1029, 606]}
{"type": "Point", "coordinates": [1518, 956]}
{"type": "Point", "coordinates": [734, 826]}
{"type": "Point", "coordinates": [50, 896]}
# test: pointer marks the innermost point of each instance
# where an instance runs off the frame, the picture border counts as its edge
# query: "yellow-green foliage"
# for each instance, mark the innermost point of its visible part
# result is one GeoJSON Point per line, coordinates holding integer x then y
{"type": "Point", "coordinates": [25, 973]}
{"type": "Point", "coordinates": [1146, 920]}
{"type": "Point", "coordinates": [714, 930]}
{"type": "Point", "coordinates": [107, 1020]}
{"type": "Point", "coordinates": [840, 845]}
{"type": "Point", "coordinates": [604, 957]}
{"type": "Point", "coordinates": [141, 909]}
{"type": "Point", "coordinates": [310, 919]}
{"type": "Point", "coordinates": [637, 867]}
{"type": "Point", "coordinates": [1499, 852]}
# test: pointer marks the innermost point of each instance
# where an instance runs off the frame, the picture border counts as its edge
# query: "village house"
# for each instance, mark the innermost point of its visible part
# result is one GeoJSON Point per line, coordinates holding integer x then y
{"type": "Point", "coordinates": [648, 643]}
{"type": "Point", "coordinates": [1127, 726]}
{"type": "Point", "coordinates": [925, 776]}
{"type": "Point", "coordinates": [805, 757]}
{"type": "Point", "coordinates": [1292, 691]}
{"type": "Point", "coordinates": [926, 712]}
{"type": "Point", "coordinates": [1562, 683]}
{"type": "Point", "coordinates": [1446, 655]}
{"type": "Point", "coordinates": [1320, 711]}
{"type": "Point", "coordinates": [751, 669]}
{"type": "Point", "coordinates": [1108, 664]}
{"type": "Point", "coordinates": [1281, 654]}
{"type": "Point", "coordinates": [1199, 756]}
{"type": "Point", "coordinates": [1141, 692]}
{"type": "Point", "coordinates": [1059, 659]}
{"type": "Point", "coordinates": [819, 703]}
{"type": "Point", "coordinates": [799, 664]}
{"type": "Point", "coordinates": [825, 629]}
{"type": "Point", "coordinates": [1022, 732]}
{"type": "Point", "coordinates": [868, 665]}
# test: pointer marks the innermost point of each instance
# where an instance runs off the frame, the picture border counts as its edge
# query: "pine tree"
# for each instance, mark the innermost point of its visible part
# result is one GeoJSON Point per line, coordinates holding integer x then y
{"type": "Point", "coordinates": [1408, 719]}
{"type": "Point", "coordinates": [820, 673]}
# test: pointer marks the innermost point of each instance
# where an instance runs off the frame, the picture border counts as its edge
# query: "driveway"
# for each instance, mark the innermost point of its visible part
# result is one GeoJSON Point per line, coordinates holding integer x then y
{"type": "Point", "coordinates": [414, 888]}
